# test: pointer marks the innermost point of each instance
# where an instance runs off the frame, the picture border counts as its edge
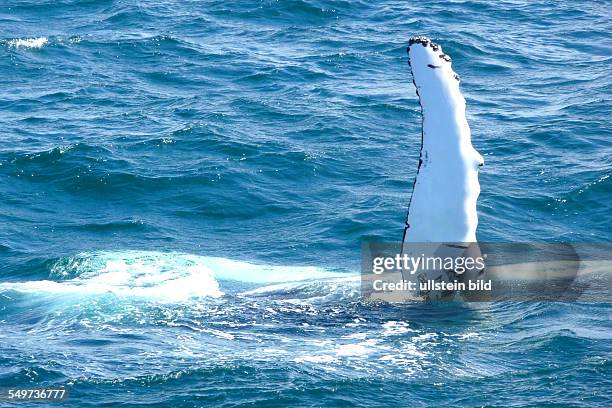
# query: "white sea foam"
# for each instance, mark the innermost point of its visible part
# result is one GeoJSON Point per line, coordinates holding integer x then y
{"type": "Point", "coordinates": [320, 359]}
{"type": "Point", "coordinates": [356, 349]}
{"type": "Point", "coordinates": [28, 42]}
{"type": "Point", "coordinates": [127, 274]}
{"type": "Point", "coordinates": [164, 276]}
{"type": "Point", "coordinates": [326, 282]}
{"type": "Point", "coordinates": [228, 269]}
{"type": "Point", "coordinates": [395, 328]}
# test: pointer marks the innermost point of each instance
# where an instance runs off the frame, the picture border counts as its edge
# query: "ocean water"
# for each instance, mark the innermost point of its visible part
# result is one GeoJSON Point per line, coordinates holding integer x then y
{"type": "Point", "coordinates": [185, 186]}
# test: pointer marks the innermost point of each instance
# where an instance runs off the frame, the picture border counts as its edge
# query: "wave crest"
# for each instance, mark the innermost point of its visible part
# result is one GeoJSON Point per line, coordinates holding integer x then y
{"type": "Point", "coordinates": [37, 42]}
{"type": "Point", "coordinates": [165, 277]}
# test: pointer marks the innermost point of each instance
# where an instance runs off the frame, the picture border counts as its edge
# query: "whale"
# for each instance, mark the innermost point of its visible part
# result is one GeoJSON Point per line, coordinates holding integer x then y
{"type": "Point", "coordinates": [442, 218]}
{"type": "Point", "coordinates": [442, 207]}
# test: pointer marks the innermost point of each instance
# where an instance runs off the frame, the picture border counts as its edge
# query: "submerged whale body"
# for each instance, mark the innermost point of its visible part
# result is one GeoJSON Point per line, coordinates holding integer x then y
{"type": "Point", "coordinates": [443, 203]}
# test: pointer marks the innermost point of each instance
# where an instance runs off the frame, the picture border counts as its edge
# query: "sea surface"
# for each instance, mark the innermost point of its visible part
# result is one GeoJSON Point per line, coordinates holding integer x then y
{"type": "Point", "coordinates": [185, 187]}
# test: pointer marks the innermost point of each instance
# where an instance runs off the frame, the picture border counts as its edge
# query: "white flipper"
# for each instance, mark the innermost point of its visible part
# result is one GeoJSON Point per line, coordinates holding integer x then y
{"type": "Point", "coordinates": [443, 203]}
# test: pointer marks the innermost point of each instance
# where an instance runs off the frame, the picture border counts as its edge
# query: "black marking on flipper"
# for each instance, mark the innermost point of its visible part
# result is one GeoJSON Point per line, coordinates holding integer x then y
{"type": "Point", "coordinates": [445, 57]}
{"type": "Point", "coordinates": [433, 66]}
{"type": "Point", "coordinates": [424, 41]}
{"type": "Point", "coordinates": [457, 77]}
{"type": "Point", "coordinates": [457, 246]}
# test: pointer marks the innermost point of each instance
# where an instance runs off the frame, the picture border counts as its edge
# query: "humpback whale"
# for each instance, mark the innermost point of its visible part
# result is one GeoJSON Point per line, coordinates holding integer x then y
{"type": "Point", "coordinates": [442, 207]}
{"type": "Point", "coordinates": [441, 220]}
{"type": "Point", "coordinates": [439, 238]}
{"type": "Point", "coordinates": [443, 203]}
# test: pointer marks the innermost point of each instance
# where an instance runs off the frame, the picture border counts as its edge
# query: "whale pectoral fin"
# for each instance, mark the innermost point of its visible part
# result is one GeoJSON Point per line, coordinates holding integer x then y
{"type": "Point", "coordinates": [442, 207]}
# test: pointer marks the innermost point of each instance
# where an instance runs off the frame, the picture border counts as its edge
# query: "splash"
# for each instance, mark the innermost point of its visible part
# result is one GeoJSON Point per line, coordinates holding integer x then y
{"type": "Point", "coordinates": [228, 269]}
{"type": "Point", "coordinates": [28, 42]}
{"type": "Point", "coordinates": [165, 277]}
{"type": "Point", "coordinates": [160, 276]}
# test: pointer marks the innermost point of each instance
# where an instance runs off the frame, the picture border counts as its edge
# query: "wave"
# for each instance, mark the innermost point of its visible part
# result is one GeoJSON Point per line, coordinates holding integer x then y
{"type": "Point", "coordinates": [159, 276]}
{"type": "Point", "coordinates": [37, 42]}
{"type": "Point", "coordinates": [125, 274]}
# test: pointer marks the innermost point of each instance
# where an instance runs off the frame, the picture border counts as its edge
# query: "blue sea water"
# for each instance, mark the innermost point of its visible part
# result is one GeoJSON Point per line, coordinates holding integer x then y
{"type": "Point", "coordinates": [185, 186]}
